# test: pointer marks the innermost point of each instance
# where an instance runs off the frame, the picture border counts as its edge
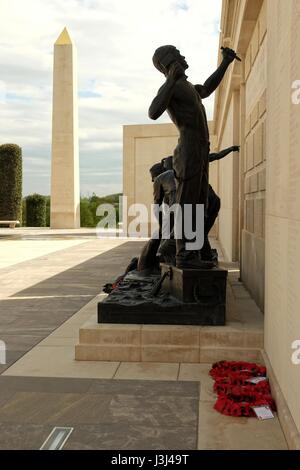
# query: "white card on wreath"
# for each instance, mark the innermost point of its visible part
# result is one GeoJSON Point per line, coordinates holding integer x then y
{"type": "Point", "coordinates": [263, 412]}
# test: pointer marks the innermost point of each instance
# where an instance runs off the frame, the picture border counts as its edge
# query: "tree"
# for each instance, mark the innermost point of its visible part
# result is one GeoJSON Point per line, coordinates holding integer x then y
{"type": "Point", "coordinates": [10, 182]}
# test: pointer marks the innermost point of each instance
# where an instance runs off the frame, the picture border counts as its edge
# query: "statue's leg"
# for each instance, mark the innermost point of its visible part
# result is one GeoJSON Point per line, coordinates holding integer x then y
{"type": "Point", "coordinates": [213, 209]}
{"type": "Point", "coordinates": [192, 191]}
{"type": "Point", "coordinates": [148, 259]}
{"type": "Point", "coordinates": [186, 193]}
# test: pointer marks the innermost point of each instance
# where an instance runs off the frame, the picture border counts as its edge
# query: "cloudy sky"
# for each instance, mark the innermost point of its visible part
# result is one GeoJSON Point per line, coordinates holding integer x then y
{"type": "Point", "coordinates": [115, 41]}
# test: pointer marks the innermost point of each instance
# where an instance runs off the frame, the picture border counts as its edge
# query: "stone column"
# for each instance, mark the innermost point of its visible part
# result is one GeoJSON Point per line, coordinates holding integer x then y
{"type": "Point", "coordinates": [65, 194]}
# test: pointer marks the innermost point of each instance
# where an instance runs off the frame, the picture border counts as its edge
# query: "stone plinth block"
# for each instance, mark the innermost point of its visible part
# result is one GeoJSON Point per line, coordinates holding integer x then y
{"type": "Point", "coordinates": [204, 288]}
{"type": "Point", "coordinates": [189, 297]}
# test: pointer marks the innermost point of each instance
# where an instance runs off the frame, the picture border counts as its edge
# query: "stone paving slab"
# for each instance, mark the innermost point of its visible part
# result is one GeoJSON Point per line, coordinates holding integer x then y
{"type": "Point", "coordinates": [147, 371]}
{"type": "Point", "coordinates": [23, 437]}
{"type": "Point", "coordinates": [219, 432]}
{"type": "Point", "coordinates": [13, 252]}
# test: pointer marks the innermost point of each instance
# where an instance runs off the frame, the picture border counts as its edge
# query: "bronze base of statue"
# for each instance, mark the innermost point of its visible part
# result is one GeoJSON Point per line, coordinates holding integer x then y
{"type": "Point", "coordinates": [177, 297]}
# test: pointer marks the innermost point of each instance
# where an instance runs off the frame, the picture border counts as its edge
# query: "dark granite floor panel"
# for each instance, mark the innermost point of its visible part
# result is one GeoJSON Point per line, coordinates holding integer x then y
{"type": "Point", "coordinates": [45, 384]}
{"type": "Point", "coordinates": [5, 395]}
{"type": "Point", "coordinates": [105, 414]}
{"type": "Point", "coordinates": [71, 409]}
{"type": "Point", "coordinates": [23, 437]}
{"type": "Point", "coordinates": [131, 437]}
{"type": "Point", "coordinates": [20, 342]}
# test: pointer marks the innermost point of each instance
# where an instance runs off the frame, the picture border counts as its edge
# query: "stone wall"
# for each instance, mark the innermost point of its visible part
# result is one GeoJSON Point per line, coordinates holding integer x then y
{"type": "Point", "coordinates": [143, 146]}
{"type": "Point", "coordinates": [282, 315]}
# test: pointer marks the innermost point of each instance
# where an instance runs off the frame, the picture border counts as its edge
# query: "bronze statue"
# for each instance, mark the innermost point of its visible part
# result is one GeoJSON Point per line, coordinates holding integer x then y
{"type": "Point", "coordinates": [164, 188]}
{"type": "Point", "coordinates": [166, 247]}
{"type": "Point", "coordinates": [183, 102]}
{"type": "Point", "coordinates": [148, 261]}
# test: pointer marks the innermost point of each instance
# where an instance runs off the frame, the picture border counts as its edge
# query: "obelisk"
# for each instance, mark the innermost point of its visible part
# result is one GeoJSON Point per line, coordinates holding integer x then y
{"type": "Point", "coordinates": [65, 193]}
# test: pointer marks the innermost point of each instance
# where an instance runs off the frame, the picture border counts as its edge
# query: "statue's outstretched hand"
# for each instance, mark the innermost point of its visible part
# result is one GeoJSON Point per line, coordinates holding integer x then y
{"type": "Point", "coordinates": [229, 54]}
{"type": "Point", "coordinates": [176, 72]}
{"type": "Point", "coordinates": [236, 148]}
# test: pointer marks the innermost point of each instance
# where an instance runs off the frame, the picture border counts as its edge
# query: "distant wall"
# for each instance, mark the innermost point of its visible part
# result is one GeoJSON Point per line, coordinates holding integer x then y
{"type": "Point", "coordinates": [228, 184]}
{"type": "Point", "coordinates": [143, 146]}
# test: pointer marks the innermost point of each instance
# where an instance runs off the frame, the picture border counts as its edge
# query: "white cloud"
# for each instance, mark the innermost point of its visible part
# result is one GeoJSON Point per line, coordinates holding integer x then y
{"type": "Point", "coordinates": [117, 81]}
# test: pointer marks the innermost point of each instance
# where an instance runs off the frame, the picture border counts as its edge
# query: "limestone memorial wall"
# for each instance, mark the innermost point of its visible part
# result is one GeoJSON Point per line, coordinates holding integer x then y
{"type": "Point", "coordinates": [282, 316]}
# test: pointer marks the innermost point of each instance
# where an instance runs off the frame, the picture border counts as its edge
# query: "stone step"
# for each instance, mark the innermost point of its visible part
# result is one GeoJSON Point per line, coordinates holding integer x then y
{"type": "Point", "coordinates": [167, 343]}
{"type": "Point", "coordinates": [211, 355]}
{"type": "Point", "coordinates": [164, 353]}
{"type": "Point", "coordinates": [229, 335]}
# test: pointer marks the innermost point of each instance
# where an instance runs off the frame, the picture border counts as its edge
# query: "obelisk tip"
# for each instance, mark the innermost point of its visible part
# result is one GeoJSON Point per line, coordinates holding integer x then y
{"type": "Point", "coordinates": [64, 38]}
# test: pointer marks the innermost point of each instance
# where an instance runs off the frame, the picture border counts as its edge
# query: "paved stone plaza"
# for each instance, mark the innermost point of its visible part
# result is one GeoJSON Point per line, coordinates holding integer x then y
{"type": "Point", "coordinates": [50, 284]}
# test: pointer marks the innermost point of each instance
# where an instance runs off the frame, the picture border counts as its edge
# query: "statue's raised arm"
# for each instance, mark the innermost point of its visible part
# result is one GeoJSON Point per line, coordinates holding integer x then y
{"type": "Point", "coordinates": [212, 83]}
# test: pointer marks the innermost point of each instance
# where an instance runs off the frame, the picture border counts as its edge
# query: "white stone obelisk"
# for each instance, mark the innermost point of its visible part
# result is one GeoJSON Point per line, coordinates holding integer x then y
{"type": "Point", "coordinates": [65, 193]}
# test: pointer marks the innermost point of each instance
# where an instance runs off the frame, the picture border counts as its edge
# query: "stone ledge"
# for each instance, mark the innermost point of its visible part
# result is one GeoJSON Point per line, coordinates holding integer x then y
{"type": "Point", "coordinates": [167, 343]}
{"type": "Point", "coordinates": [10, 223]}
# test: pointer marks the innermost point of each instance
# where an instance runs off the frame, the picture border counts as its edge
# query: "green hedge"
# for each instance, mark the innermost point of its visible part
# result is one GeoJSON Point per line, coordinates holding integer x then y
{"type": "Point", "coordinates": [35, 211]}
{"type": "Point", "coordinates": [47, 211]}
{"type": "Point", "coordinates": [10, 182]}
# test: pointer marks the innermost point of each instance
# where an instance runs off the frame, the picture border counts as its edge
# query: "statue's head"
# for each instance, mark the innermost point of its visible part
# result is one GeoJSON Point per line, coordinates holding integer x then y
{"type": "Point", "coordinates": [165, 56]}
{"type": "Point", "coordinates": [167, 163]}
{"type": "Point", "coordinates": [156, 170]}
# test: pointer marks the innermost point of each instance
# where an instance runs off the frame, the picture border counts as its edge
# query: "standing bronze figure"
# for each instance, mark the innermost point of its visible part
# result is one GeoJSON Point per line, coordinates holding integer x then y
{"type": "Point", "coordinates": [183, 102]}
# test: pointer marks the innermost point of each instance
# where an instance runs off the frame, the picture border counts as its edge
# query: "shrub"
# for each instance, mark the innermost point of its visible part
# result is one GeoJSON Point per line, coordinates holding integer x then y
{"type": "Point", "coordinates": [35, 211]}
{"type": "Point", "coordinates": [24, 212]}
{"type": "Point", "coordinates": [47, 211]}
{"type": "Point", "coordinates": [86, 216]}
{"type": "Point", "coordinates": [10, 182]}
